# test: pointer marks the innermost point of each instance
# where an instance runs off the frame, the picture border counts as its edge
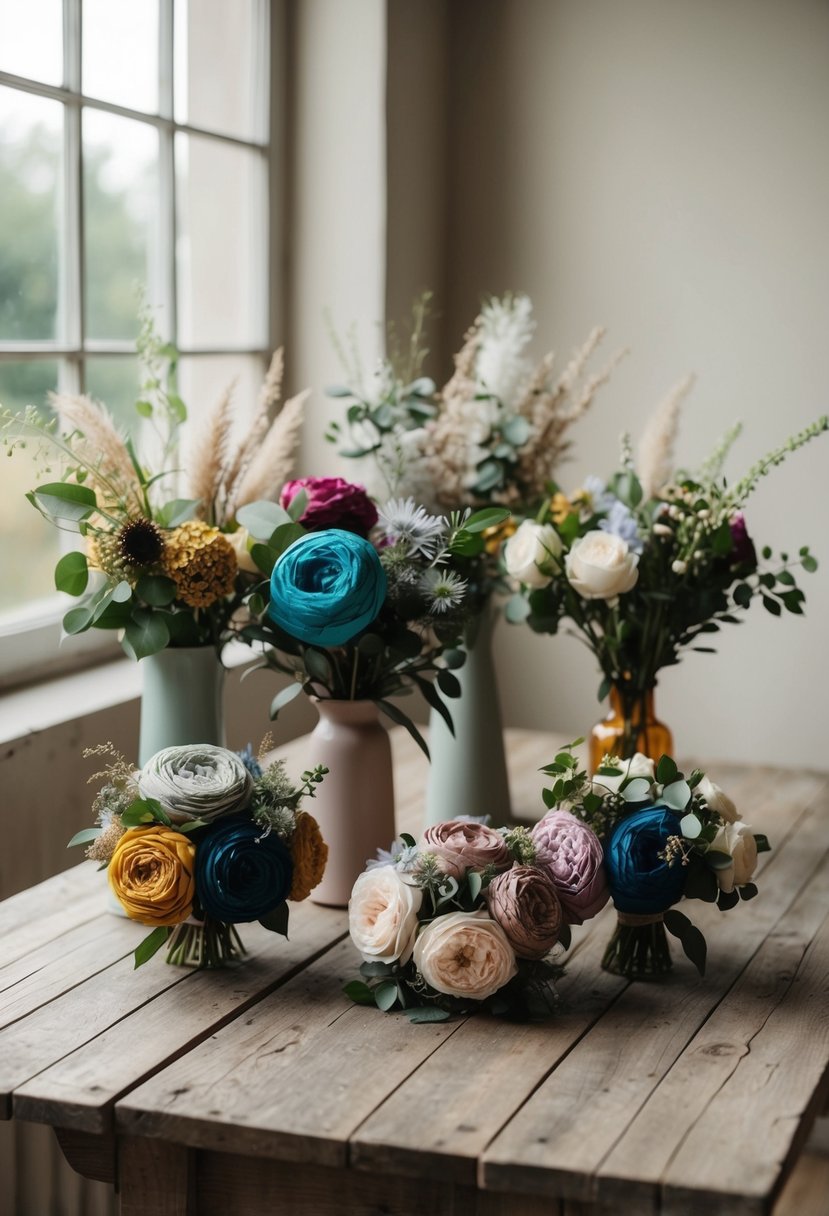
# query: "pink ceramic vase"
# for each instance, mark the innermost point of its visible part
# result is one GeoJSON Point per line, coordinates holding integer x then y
{"type": "Point", "coordinates": [354, 805]}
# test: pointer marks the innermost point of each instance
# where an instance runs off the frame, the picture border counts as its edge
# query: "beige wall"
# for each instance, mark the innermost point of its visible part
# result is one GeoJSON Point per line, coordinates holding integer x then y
{"type": "Point", "coordinates": [662, 167]}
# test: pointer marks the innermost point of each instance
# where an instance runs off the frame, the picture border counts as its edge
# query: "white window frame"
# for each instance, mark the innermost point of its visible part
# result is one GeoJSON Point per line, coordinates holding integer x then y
{"type": "Point", "coordinates": [31, 647]}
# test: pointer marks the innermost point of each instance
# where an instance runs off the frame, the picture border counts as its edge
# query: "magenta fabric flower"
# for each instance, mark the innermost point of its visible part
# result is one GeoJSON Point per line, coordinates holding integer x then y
{"type": "Point", "coordinates": [332, 503]}
{"type": "Point", "coordinates": [524, 903]}
{"type": "Point", "coordinates": [742, 546]}
{"type": "Point", "coordinates": [571, 854]}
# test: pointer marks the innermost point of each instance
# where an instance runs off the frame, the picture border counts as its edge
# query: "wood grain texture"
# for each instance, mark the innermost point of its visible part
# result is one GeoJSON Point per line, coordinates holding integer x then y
{"type": "Point", "coordinates": [292, 1079]}
{"type": "Point", "coordinates": [155, 1179]}
{"type": "Point", "coordinates": [42, 914]}
{"type": "Point", "coordinates": [79, 1089]}
{"type": "Point", "coordinates": [91, 1156]}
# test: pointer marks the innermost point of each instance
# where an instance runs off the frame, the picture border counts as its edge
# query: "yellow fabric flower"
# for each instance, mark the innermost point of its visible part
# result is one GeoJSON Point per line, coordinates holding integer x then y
{"type": "Point", "coordinates": [560, 507]}
{"type": "Point", "coordinates": [151, 875]}
{"type": "Point", "coordinates": [495, 537]}
{"type": "Point", "coordinates": [309, 853]}
{"type": "Point", "coordinates": [201, 562]}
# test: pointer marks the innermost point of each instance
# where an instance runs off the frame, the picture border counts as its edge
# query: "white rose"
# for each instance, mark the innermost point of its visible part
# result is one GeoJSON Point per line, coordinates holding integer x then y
{"type": "Point", "coordinates": [738, 840]}
{"type": "Point", "coordinates": [639, 765]}
{"type": "Point", "coordinates": [465, 954]}
{"type": "Point", "coordinates": [718, 801]}
{"type": "Point", "coordinates": [382, 915]}
{"type": "Point", "coordinates": [531, 553]}
{"type": "Point", "coordinates": [239, 540]}
{"type": "Point", "coordinates": [196, 781]}
{"type": "Point", "coordinates": [601, 566]}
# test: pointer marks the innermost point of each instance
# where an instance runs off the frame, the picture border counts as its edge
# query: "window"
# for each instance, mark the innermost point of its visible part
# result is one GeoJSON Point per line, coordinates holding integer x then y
{"type": "Point", "coordinates": [134, 154]}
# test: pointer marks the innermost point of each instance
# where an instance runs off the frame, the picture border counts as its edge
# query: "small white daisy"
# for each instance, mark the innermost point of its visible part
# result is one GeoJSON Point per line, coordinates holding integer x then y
{"type": "Point", "coordinates": [403, 520]}
{"type": "Point", "coordinates": [444, 588]}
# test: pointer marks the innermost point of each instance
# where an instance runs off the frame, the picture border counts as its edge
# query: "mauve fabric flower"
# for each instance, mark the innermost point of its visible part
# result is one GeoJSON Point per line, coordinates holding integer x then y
{"type": "Point", "coordinates": [327, 587]}
{"type": "Point", "coordinates": [524, 902]}
{"type": "Point", "coordinates": [570, 853]}
{"type": "Point", "coordinates": [241, 874]}
{"type": "Point", "coordinates": [465, 846]}
{"type": "Point", "coordinates": [642, 882]}
{"type": "Point", "coordinates": [332, 503]}
{"type": "Point", "coordinates": [742, 546]}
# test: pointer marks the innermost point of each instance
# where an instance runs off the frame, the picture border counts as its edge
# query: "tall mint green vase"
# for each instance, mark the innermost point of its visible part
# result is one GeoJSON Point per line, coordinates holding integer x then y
{"type": "Point", "coordinates": [181, 699]}
{"type": "Point", "coordinates": [468, 772]}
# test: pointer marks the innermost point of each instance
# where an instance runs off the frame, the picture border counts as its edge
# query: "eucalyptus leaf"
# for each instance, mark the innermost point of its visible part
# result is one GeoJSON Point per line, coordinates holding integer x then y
{"type": "Point", "coordinates": [262, 518]}
{"type": "Point", "coordinates": [297, 505]}
{"type": "Point", "coordinates": [448, 683]}
{"type": "Point", "coordinates": [385, 995]}
{"type": "Point", "coordinates": [277, 920]}
{"type": "Point", "coordinates": [474, 882]}
{"type": "Point", "coordinates": [176, 512]}
{"type": "Point", "coordinates": [359, 992]}
{"type": "Point", "coordinates": [284, 697]}
{"type": "Point", "coordinates": [65, 500]}
{"type": "Point", "coordinates": [427, 1013]}
{"type": "Point", "coordinates": [86, 836]}
{"type": "Point", "coordinates": [517, 610]}
{"type": "Point", "coordinates": [156, 590]}
{"type": "Point", "coordinates": [72, 573]}
{"type": "Point", "coordinates": [690, 827]}
{"type": "Point", "coordinates": [284, 536]}
{"type": "Point", "coordinates": [146, 633]}
{"type": "Point", "coordinates": [636, 790]}
{"type": "Point", "coordinates": [666, 770]}
{"type": "Point", "coordinates": [374, 969]}
{"type": "Point", "coordinates": [77, 620]}
{"type": "Point", "coordinates": [677, 795]}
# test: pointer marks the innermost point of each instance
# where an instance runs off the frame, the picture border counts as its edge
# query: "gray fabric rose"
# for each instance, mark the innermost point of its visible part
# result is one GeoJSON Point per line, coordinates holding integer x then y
{"type": "Point", "coordinates": [196, 781]}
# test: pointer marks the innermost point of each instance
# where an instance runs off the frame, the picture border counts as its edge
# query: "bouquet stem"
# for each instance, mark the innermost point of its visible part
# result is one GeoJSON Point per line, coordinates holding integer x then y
{"type": "Point", "coordinates": [204, 944]}
{"type": "Point", "coordinates": [639, 948]}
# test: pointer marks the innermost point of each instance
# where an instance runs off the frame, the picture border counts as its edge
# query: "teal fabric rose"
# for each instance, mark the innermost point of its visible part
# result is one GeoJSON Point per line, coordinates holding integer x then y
{"type": "Point", "coordinates": [241, 875]}
{"type": "Point", "coordinates": [641, 881]}
{"type": "Point", "coordinates": [327, 587]}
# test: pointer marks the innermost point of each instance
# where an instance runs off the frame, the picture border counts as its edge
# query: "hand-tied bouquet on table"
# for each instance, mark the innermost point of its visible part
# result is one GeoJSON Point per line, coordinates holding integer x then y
{"type": "Point", "coordinates": [163, 569]}
{"type": "Point", "coordinates": [493, 434]}
{"type": "Point", "coordinates": [665, 837]}
{"type": "Point", "coordinates": [646, 565]}
{"type": "Point", "coordinates": [468, 918]}
{"type": "Point", "coordinates": [199, 840]}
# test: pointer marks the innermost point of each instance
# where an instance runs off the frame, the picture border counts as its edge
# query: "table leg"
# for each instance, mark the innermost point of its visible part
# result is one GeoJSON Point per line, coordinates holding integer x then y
{"type": "Point", "coordinates": [154, 1178]}
{"type": "Point", "coordinates": [89, 1155]}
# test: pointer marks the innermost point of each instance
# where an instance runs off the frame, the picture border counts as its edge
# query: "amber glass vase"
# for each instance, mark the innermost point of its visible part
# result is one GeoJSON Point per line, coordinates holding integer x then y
{"type": "Point", "coordinates": [630, 726]}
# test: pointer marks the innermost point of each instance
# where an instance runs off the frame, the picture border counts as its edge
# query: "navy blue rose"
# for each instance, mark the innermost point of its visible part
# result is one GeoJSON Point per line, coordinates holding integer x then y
{"type": "Point", "coordinates": [241, 875]}
{"type": "Point", "coordinates": [327, 587]}
{"type": "Point", "coordinates": [641, 881]}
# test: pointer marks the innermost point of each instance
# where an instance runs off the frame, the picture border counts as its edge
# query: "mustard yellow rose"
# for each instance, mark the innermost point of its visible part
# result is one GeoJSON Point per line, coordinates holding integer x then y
{"type": "Point", "coordinates": [151, 875]}
{"type": "Point", "coordinates": [309, 853]}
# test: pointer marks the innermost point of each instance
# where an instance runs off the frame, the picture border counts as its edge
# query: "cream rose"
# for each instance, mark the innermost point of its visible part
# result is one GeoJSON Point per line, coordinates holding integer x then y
{"type": "Point", "coordinates": [382, 915]}
{"type": "Point", "coordinates": [718, 801]}
{"type": "Point", "coordinates": [239, 540]}
{"type": "Point", "coordinates": [601, 566]}
{"type": "Point", "coordinates": [738, 840]}
{"type": "Point", "coordinates": [465, 954]}
{"type": "Point", "coordinates": [196, 781]}
{"type": "Point", "coordinates": [639, 765]}
{"type": "Point", "coordinates": [531, 553]}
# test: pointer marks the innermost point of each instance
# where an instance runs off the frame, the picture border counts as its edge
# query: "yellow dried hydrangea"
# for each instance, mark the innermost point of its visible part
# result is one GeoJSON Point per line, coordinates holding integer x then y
{"type": "Point", "coordinates": [201, 562]}
{"type": "Point", "coordinates": [309, 853]}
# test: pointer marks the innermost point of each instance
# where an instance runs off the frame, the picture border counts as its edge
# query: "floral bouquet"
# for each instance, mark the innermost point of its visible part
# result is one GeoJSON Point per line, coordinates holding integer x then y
{"type": "Point", "coordinates": [493, 434]}
{"type": "Point", "coordinates": [165, 570]}
{"type": "Point", "coordinates": [361, 604]}
{"type": "Point", "coordinates": [199, 840]}
{"type": "Point", "coordinates": [665, 837]}
{"type": "Point", "coordinates": [467, 919]}
{"type": "Point", "coordinates": [648, 564]}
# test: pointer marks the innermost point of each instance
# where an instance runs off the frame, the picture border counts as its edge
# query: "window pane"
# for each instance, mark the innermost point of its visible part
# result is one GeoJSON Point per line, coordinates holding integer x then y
{"type": "Point", "coordinates": [203, 380]}
{"type": "Point", "coordinates": [221, 246]}
{"type": "Point", "coordinates": [220, 66]}
{"type": "Point", "coordinates": [29, 546]}
{"type": "Point", "coordinates": [114, 381]}
{"type": "Point", "coordinates": [31, 39]}
{"type": "Point", "coordinates": [31, 190]}
{"type": "Point", "coordinates": [121, 222]}
{"type": "Point", "coordinates": [120, 52]}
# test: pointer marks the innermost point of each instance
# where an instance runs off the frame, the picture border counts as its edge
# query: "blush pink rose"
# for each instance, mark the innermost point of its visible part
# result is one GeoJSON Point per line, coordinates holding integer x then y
{"type": "Point", "coordinates": [332, 503]}
{"type": "Point", "coordinates": [524, 903]}
{"type": "Point", "coordinates": [382, 915]}
{"type": "Point", "coordinates": [465, 954]}
{"type": "Point", "coordinates": [571, 855]}
{"type": "Point", "coordinates": [462, 846]}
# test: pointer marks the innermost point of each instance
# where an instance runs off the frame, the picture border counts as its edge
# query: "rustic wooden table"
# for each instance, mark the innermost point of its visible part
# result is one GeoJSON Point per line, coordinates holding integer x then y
{"type": "Point", "coordinates": [264, 1090]}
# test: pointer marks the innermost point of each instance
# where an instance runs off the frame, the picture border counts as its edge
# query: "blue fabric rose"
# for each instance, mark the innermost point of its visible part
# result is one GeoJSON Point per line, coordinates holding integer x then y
{"type": "Point", "coordinates": [241, 875]}
{"type": "Point", "coordinates": [327, 587]}
{"type": "Point", "coordinates": [640, 880]}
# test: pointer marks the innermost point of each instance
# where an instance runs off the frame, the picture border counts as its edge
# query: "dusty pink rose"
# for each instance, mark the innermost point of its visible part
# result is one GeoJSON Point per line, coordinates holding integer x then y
{"type": "Point", "coordinates": [571, 855]}
{"type": "Point", "coordinates": [332, 503]}
{"type": "Point", "coordinates": [524, 903]}
{"type": "Point", "coordinates": [465, 846]}
{"type": "Point", "coordinates": [465, 954]}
